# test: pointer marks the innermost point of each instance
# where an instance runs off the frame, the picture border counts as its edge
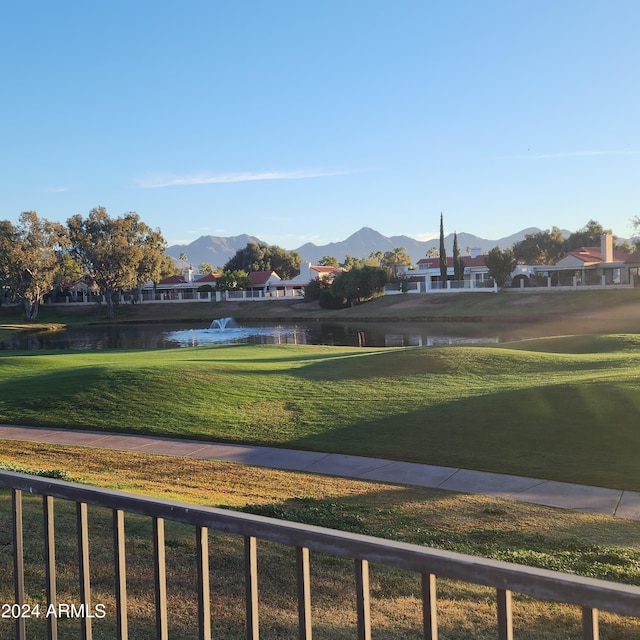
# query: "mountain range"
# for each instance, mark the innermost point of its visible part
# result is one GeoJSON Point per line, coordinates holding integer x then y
{"type": "Point", "coordinates": [218, 250]}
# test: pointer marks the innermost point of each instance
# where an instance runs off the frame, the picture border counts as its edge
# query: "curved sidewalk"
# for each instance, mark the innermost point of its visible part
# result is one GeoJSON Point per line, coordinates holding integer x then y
{"type": "Point", "coordinates": [608, 502]}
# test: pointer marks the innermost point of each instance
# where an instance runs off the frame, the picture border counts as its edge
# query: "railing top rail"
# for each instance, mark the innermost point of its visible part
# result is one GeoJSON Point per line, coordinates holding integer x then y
{"type": "Point", "coordinates": [541, 583]}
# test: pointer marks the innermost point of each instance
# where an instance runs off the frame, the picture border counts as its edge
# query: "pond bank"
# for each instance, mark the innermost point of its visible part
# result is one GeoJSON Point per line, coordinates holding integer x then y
{"type": "Point", "coordinates": [603, 306]}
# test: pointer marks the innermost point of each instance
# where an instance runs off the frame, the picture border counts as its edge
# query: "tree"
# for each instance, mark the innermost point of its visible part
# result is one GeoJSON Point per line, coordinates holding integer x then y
{"type": "Point", "coordinates": [233, 280]}
{"type": "Point", "coordinates": [458, 263]}
{"type": "Point", "coordinates": [206, 268]}
{"type": "Point", "coordinates": [350, 262]}
{"type": "Point", "coordinates": [541, 247]}
{"type": "Point", "coordinates": [168, 267]}
{"type": "Point", "coordinates": [432, 253]}
{"type": "Point", "coordinates": [118, 254]}
{"type": "Point", "coordinates": [442, 254]}
{"type": "Point", "coordinates": [259, 256]}
{"type": "Point", "coordinates": [500, 264]}
{"type": "Point", "coordinates": [315, 287]}
{"type": "Point", "coordinates": [588, 236]}
{"type": "Point", "coordinates": [359, 283]}
{"type": "Point", "coordinates": [328, 261]}
{"type": "Point", "coordinates": [375, 259]}
{"type": "Point", "coordinates": [31, 258]}
{"type": "Point", "coordinates": [635, 222]}
{"type": "Point", "coordinates": [394, 259]}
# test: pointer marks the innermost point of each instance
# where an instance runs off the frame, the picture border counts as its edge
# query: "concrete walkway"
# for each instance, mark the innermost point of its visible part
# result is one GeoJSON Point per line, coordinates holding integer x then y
{"type": "Point", "coordinates": [608, 502]}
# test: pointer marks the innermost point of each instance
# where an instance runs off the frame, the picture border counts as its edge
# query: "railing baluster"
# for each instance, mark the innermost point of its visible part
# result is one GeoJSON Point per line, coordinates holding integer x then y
{"type": "Point", "coordinates": [204, 595]}
{"type": "Point", "coordinates": [18, 560]}
{"type": "Point", "coordinates": [304, 593]}
{"type": "Point", "coordinates": [505, 615]}
{"type": "Point", "coordinates": [50, 563]}
{"type": "Point", "coordinates": [119, 559]}
{"type": "Point", "coordinates": [429, 616]}
{"type": "Point", "coordinates": [160, 571]}
{"type": "Point", "coordinates": [82, 524]}
{"type": "Point", "coordinates": [251, 586]}
{"type": "Point", "coordinates": [590, 625]}
{"type": "Point", "coordinates": [362, 599]}
{"type": "Point", "coordinates": [590, 594]}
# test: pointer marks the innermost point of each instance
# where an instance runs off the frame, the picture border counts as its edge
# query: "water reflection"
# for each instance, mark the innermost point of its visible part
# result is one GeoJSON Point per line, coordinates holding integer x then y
{"type": "Point", "coordinates": [396, 334]}
{"type": "Point", "coordinates": [400, 340]}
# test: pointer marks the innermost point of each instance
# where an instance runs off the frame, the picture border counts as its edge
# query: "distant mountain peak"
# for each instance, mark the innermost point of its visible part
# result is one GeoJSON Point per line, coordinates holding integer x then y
{"type": "Point", "coordinates": [361, 244]}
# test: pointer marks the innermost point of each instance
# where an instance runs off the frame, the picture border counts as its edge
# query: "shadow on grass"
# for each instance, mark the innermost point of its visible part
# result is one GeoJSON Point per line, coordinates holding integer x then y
{"type": "Point", "coordinates": [584, 434]}
{"type": "Point", "coordinates": [487, 528]}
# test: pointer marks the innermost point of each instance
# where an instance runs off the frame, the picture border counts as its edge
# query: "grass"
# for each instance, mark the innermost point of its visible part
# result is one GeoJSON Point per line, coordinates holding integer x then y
{"type": "Point", "coordinates": [529, 534]}
{"type": "Point", "coordinates": [562, 409]}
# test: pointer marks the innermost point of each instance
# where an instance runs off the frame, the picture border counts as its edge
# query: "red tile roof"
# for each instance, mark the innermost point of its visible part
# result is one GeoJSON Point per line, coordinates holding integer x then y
{"type": "Point", "coordinates": [210, 277]}
{"type": "Point", "coordinates": [633, 258]}
{"type": "Point", "coordinates": [173, 280]}
{"type": "Point", "coordinates": [594, 254]}
{"type": "Point", "coordinates": [320, 269]}
{"type": "Point", "coordinates": [259, 278]}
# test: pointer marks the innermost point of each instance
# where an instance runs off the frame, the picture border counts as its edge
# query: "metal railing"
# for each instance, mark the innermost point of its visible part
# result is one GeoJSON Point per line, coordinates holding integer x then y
{"type": "Point", "coordinates": [590, 594]}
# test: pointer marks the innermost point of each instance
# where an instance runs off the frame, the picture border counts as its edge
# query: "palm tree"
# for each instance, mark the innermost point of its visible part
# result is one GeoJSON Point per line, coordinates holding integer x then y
{"type": "Point", "coordinates": [394, 259]}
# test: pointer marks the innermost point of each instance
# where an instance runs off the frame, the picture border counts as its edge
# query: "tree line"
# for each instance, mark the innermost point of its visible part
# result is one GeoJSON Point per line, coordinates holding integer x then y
{"type": "Point", "coordinates": [38, 256]}
{"type": "Point", "coordinates": [117, 255]}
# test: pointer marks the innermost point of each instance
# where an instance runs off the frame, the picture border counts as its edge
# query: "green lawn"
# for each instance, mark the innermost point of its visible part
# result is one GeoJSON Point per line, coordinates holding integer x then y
{"type": "Point", "coordinates": [564, 409]}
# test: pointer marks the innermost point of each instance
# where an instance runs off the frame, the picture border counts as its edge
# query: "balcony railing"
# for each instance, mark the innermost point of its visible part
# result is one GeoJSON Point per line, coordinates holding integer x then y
{"type": "Point", "coordinates": [589, 594]}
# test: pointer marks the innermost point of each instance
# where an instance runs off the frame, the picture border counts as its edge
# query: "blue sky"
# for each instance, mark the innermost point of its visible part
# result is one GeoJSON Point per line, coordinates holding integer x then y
{"type": "Point", "coordinates": [304, 121]}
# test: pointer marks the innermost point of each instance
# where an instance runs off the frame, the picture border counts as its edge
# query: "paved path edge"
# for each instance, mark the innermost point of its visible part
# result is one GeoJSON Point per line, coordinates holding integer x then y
{"type": "Point", "coordinates": [564, 495]}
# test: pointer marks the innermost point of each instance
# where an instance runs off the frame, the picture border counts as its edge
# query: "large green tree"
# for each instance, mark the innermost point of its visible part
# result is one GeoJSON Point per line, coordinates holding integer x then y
{"type": "Point", "coordinates": [541, 247]}
{"type": "Point", "coordinates": [359, 283]}
{"type": "Point", "coordinates": [233, 280]}
{"type": "Point", "coordinates": [588, 236]}
{"type": "Point", "coordinates": [31, 258]}
{"type": "Point", "coordinates": [259, 256]}
{"type": "Point", "coordinates": [119, 254]}
{"type": "Point", "coordinates": [500, 264]}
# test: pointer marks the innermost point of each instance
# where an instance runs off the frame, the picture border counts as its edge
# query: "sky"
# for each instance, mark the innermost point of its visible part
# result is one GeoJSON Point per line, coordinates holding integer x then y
{"type": "Point", "coordinates": [304, 121]}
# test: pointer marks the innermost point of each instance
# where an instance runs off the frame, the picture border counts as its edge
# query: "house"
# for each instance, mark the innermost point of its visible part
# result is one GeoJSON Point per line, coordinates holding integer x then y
{"type": "Point", "coordinates": [186, 286]}
{"type": "Point", "coordinates": [595, 265]}
{"type": "Point", "coordinates": [476, 273]}
{"type": "Point", "coordinates": [262, 282]}
{"type": "Point", "coordinates": [308, 272]}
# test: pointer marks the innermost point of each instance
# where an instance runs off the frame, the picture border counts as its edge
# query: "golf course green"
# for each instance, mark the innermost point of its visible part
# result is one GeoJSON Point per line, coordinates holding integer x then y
{"type": "Point", "coordinates": [557, 408]}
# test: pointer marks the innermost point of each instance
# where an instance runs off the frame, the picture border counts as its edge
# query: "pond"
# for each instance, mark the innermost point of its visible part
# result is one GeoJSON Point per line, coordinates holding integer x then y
{"type": "Point", "coordinates": [159, 336]}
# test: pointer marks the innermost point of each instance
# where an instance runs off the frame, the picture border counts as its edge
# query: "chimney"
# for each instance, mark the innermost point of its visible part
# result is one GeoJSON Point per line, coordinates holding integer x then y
{"type": "Point", "coordinates": [606, 247]}
{"type": "Point", "coordinates": [188, 275]}
{"type": "Point", "coordinates": [475, 252]}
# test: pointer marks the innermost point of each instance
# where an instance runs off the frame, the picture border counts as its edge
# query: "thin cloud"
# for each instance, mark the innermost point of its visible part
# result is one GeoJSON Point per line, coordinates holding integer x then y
{"type": "Point", "coordinates": [582, 154]}
{"type": "Point", "coordinates": [424, 237]}
{"type": "Point", "coordinates": [160, 181]}
{"type": "Point", "coordinates": [571, 154]}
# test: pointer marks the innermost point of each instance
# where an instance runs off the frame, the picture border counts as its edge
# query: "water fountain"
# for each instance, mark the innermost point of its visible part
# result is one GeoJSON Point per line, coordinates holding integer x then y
{"type": "Point", "coordinates": [223, 323]}
{"type": "Point", "coordinates": [227, 331]}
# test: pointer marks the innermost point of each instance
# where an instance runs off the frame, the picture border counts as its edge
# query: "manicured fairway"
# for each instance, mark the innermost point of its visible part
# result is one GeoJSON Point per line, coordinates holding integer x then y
{"type": "Point", "coordinates": [564, 409]}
